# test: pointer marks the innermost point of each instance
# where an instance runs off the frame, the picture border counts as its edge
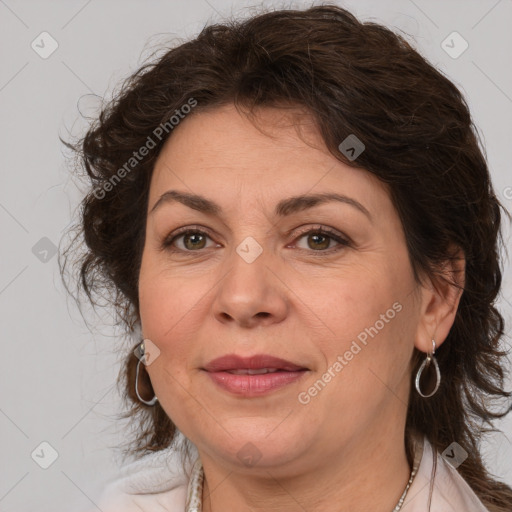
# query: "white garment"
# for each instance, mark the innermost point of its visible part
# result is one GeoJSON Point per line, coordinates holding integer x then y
{"type": "Point", "coordinates": [451, 493]}
{"type": "Point", "coordinates": [156, 483]}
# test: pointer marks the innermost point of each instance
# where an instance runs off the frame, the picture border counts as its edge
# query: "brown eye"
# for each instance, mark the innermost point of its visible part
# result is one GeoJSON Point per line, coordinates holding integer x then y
{"type": "Point", "coordinates": [319, 240]}
{"type": "Point", "coordinates": [194, 241]}
{"type": "Point", "coordinates": [187, 241]}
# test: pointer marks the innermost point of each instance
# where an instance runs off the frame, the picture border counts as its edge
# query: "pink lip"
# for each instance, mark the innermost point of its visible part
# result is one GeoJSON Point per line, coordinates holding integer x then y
{"type": "Point", "coordinates": [235, 362]}
{"type": "Point", "coordinates": [253, 385]}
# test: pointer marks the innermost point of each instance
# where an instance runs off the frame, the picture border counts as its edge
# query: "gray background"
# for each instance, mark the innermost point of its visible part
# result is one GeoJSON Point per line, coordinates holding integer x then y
{"type": "Point", "coordinates": [58, 376]}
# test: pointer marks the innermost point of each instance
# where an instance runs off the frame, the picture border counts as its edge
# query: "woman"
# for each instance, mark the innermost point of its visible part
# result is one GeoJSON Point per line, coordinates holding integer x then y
{"type": "Point", "coordinates": [294, 214]}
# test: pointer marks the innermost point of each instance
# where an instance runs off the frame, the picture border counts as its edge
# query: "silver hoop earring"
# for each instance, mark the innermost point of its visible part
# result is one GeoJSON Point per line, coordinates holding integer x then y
{"type": "Point", "coordinates": [426, 363]}
{"type": "Point", "coordinates": [153, 401]}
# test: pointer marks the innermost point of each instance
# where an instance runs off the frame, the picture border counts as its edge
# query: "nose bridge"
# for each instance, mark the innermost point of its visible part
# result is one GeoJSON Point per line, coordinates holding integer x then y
{"type": "Point", "coordinates": [247, 264]}
{"type": "Point", "coordinates": [249, 289]}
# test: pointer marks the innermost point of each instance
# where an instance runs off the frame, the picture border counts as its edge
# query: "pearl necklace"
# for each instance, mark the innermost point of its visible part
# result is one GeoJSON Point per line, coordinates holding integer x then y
{"type": "Point", "coordinates": [402, 498]}
{"type": "Point", "coordinates": [418, 452]}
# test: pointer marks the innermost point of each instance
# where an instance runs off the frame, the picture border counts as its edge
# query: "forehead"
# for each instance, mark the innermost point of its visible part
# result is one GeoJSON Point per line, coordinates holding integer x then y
{"type": "Point", "coordinates": [220, 153]}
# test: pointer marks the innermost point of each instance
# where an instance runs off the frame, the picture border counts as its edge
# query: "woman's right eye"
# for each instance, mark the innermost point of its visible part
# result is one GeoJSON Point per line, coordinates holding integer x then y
{"type": "Point", "coordinates": [191, 240]}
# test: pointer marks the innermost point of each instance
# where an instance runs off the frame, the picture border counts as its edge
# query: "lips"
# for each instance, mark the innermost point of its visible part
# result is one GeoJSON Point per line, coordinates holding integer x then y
{"type": "Point", "coordinates": [254, 365]}
{"type": "Point", "coordinates": [253, 376]}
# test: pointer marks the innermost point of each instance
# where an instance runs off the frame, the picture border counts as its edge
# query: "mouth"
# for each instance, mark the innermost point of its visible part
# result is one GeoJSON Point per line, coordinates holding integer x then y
{"type": "Point", "coordinates": [253, 365]}
{"type": "Point", "coordinates": [253, 376]}
{"type": "Point", "coordinates": [259, 371]}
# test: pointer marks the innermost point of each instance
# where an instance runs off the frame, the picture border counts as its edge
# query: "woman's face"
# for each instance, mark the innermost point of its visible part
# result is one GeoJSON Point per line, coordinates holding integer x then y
{"type": "Point", "coordinates": [259, 278]}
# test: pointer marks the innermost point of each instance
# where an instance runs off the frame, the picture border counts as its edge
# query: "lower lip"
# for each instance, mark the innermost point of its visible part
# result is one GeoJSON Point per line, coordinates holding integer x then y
{"type": "Point", "coordinates": [254, 385]}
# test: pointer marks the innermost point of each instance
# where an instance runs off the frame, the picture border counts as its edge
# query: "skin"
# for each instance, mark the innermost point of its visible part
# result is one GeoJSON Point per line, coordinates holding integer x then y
{"type": "Point", "coordinates": [202, 303]}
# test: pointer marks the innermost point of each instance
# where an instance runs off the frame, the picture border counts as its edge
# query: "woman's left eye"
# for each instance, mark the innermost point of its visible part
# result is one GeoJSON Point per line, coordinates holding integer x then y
{"type": "Point", "coordinates": [320, 239]}
{"type": "Point", "coordinates": [317, 240]}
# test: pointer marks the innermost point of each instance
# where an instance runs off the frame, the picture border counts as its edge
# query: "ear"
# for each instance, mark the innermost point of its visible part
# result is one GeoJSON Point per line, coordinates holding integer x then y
{"type": "Point", "coordinates": [440, 297]}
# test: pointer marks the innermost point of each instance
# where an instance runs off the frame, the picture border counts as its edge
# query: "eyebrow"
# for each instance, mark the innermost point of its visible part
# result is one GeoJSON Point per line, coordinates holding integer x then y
{"type": "Point", "coordinates": [283, 208]}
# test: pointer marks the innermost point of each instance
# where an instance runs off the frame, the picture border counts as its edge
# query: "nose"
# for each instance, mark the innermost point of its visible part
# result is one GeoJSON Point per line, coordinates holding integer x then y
{"type": "Point", "coordinates": [251, 293]}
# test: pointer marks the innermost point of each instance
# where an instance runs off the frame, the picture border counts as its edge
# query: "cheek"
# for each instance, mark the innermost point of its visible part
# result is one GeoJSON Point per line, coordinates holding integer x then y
{"type": "Point", "coordinates": [369, 318]}
{"type": "Point", "coordinates": [350, 302]}
{"type": "Point", "coordinates": [168, 311]}
{"type": "Point", "coordinates": [172, 310]}
{"type": "Point", "coordinates": [167, 300]}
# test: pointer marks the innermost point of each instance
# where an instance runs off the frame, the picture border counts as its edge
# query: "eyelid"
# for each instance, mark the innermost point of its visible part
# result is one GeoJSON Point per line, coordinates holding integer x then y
{"type": "Point", "coordinates": [322, 229]}
{"type": "Point", "coordinates": [340, 238]}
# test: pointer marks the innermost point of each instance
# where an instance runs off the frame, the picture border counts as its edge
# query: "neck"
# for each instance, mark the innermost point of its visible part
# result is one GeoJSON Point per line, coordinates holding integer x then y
{"type": "Point", "coordinates": [370, 473]}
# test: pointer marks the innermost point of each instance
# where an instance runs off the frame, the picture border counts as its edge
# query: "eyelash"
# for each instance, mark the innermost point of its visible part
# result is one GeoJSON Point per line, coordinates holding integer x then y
{"type": "Point", "coordinates": [167, 244]}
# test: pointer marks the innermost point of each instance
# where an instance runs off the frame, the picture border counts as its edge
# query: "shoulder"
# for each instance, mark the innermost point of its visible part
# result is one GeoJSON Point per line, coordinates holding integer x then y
{"type": "Point", "coordinates": [450, 492]}
{"type": "Point", "coordinates": [156, 482]}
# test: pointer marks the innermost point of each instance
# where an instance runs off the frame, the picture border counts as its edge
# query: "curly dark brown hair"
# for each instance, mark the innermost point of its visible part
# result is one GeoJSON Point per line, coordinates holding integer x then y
{"type": "Point", "coordinates": [353, 78]}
